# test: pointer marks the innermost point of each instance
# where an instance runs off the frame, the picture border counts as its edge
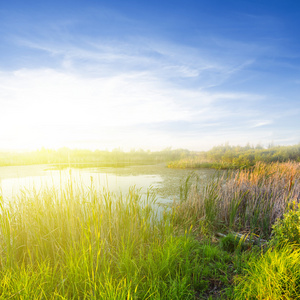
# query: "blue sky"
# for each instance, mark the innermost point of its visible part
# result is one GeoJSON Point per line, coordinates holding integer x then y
{"type": "Point", "coordinates": [149, 74]}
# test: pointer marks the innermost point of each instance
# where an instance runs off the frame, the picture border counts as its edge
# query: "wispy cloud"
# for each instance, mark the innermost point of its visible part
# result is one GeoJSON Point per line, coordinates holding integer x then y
{"type": "Point", "coordinates": [135, 91]}
{"type": "Point", "coordinates": [261, 123]}
{"type": "Point", "coordinates": [59, 107]}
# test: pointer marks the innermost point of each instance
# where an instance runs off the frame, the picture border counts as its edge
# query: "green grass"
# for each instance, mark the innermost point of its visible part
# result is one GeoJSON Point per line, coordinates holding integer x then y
{"type": "Point", "coordinates": [273, 275]}
{"type": "Point", "coordinates": [75, 242]}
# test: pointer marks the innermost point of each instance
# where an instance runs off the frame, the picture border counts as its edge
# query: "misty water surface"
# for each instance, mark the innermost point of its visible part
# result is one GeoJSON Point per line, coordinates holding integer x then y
{"type": "Point", "coordinates": [164, 181]}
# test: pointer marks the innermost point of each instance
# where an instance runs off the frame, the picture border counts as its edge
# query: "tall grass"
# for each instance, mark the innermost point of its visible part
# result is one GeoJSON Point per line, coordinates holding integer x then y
{"type": "Point", "coordinates": [274, 275]}
{"type": "Point", "coordinates": [77, 243]}
{"type": "Point", "coordinates": [246, 200]}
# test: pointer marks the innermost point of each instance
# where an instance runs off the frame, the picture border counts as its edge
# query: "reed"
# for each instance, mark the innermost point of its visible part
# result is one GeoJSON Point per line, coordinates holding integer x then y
{"type": "Point", "coordinates": [77, 243]}
{"type": "Point", "coordinates": [246, 200]}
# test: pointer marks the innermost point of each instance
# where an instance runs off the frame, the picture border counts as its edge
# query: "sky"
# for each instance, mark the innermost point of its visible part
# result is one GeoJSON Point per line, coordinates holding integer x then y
{"type": "Point", "coordinates": [135, 74]}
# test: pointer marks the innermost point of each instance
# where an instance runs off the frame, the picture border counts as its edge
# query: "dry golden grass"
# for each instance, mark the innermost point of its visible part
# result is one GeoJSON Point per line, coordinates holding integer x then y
{"type": "Point", "coordinates": [248, 200]}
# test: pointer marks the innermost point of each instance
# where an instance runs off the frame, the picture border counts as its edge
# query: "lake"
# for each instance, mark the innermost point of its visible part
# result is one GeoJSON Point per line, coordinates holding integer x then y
{"type": "Point", "coordinates": [164, 181]}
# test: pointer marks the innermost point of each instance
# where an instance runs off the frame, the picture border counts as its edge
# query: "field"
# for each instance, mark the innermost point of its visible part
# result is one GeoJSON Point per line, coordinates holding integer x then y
{"type": "Point", "coordinates": [237, 237]}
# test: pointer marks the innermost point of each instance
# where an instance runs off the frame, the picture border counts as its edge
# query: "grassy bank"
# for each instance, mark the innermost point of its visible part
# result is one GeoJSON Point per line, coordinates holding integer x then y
{"type": "Point", "coordinates": [256, 214]}
{"type": "Point", "coordinates": [237, 157]}
{"type": "Point", "coordinates": [78, 243]}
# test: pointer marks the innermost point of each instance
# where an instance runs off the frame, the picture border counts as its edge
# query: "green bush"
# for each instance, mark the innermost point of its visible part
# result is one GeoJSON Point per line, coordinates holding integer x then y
{"type": "Point", "coordinates": [274, 275]}
{"type": "Point", "coordinates": [287, 230]}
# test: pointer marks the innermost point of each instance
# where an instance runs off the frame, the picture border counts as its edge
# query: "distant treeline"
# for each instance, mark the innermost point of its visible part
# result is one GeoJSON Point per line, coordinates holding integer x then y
{"type": "Point", "coordinates": [234, 157]}
{"type": "Point", "coordinates": [219, 157]}
{"type": "Point", "coordinates": [66, 156]}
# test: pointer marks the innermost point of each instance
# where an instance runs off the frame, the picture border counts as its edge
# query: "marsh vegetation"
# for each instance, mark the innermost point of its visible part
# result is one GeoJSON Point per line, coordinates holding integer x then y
{"type": "Point", "coordinates": [230, 234]}
{"type": "Point", "coordinates": [219, 240]}
{"type": "Point", "coordinates": [237, 157]}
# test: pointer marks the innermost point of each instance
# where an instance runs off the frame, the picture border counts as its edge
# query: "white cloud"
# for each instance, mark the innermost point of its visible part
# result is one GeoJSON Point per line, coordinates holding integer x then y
{"type": "Point", "coordinates": [107, 94]}
{"type": "Point", "coordinates": [55, 108]}
{"type": "Point", "coordinates": [261, 123]}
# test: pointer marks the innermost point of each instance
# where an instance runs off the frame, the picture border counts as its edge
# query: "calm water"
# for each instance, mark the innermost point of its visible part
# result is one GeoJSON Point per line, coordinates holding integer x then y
{"type": "Point", "coordinates": [164, 181]}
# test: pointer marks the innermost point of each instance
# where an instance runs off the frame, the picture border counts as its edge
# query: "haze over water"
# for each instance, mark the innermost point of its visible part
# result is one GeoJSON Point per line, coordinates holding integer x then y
{"type": "Point", "coordinates": [164, 181]}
